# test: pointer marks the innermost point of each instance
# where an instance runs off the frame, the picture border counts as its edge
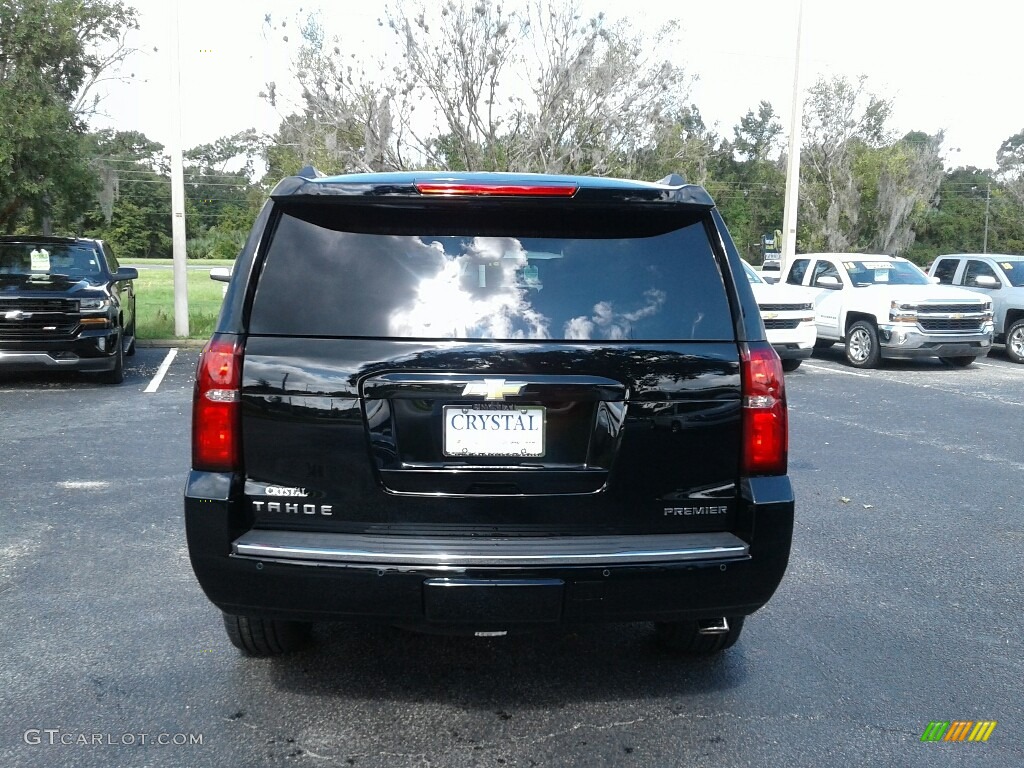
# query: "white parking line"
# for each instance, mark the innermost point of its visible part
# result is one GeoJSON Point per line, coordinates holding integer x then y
{"type": "Point", "coordinates": [87, 485]}
{"type": "Point", "coordinates": [986, 365]}
{"type": "Point", "coordinates": [161, 371]}
{"type": "Point", "coordinates": [836, 370]}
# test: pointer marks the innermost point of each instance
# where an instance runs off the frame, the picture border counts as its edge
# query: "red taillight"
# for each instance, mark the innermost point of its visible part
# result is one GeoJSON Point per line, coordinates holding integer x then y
{"type": "Point", "coordinates": [216, 410]}
{"type": "Point", "coordinates": [452, 188]}
{"type": "Point", "coordinates": [765, 422]}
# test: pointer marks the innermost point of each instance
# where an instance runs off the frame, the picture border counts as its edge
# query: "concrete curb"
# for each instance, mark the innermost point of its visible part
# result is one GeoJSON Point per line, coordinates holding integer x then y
{"type": "Point", "coordinates": [164, 343]}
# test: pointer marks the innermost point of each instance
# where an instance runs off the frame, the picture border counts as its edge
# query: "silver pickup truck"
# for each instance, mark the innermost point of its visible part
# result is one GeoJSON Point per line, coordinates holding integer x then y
{"type": "Point", "coordinates": [1001, 278]}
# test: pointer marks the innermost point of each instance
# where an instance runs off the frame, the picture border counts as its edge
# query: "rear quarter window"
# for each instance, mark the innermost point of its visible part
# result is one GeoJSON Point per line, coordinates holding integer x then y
{"type": "Point", "coordinates": [491, 274]}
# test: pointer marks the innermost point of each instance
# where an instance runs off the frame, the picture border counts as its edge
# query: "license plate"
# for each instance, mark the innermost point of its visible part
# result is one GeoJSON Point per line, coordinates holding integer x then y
{"type": "Point", "coordinates": [513, 431]}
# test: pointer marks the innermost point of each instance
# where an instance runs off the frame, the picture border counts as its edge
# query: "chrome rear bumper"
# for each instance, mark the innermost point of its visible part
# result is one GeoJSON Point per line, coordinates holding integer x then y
{"type": "Point", "coordinates": [389, 551]}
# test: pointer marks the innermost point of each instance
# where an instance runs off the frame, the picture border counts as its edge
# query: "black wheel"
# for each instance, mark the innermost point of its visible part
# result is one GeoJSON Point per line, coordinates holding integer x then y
{"type": "Point", "coordinates": [676, 428]}
{"type": "Point", "coordinates": [958, 362]}
{"type": "Point", "coordinates": [684, 637]}
{"type": "Point", "coordinates": [862, 345]}
{"type": "Point", "coordinates": [823, 344]}
{"type": "Point", "coordinates": [116, 374]}
{"type": "Point", "coordinates": [1015, 342]}
{"type": "Point", "coordinates": [790, 365]}
{"type": "Point", "coordinates": [266, 637]}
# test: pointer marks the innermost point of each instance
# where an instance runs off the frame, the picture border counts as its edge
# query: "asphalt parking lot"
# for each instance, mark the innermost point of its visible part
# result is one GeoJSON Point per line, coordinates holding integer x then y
{"type": "Point", "coordinates": [901, 606]}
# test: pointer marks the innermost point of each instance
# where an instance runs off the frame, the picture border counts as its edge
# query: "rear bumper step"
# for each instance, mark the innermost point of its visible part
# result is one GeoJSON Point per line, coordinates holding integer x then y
{"type": "Point", "coordinates": [340, 548]}
{"type": "Point", "coordinates": [718, 626]}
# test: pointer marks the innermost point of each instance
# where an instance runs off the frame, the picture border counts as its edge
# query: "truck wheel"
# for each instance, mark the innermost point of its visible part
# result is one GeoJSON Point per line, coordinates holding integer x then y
{"type": "Point", "coordinates": [958, 362]}
{"type": "Point", "coordinates": [116, 374]}
{"type": "Point", "coordinates": [684, 637]}
{"type": "Point", "coordinates": [862, 345]}
{"type": "Point", "coordinates": [1015, 342]}
{"type": "Point", "coordinates": [790, 365]}
{"type": "Point", "coordinates": [265, 637]}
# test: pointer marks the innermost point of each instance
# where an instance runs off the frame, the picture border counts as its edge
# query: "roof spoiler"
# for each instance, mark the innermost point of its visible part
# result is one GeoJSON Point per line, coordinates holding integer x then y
{"type": "Point", "coordinates": [673, 180]}
{"type": "Point", "coordinates": [309, 172]}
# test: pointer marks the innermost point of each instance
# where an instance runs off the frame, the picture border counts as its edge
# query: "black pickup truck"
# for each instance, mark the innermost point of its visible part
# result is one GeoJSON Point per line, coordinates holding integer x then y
{"type": "Point", "coordinates": [65, 304]}
{"type": "Point", "coordinates": [430, 402]}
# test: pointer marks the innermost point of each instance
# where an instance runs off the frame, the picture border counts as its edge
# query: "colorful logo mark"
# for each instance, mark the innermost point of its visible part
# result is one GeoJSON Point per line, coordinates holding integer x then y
{"type": "Point", "coordinates": [958, 730]}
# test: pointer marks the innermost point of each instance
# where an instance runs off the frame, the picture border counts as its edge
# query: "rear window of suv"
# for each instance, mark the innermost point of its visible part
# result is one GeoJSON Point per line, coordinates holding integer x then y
{"type": "Point", "coordinates": [491, 273]}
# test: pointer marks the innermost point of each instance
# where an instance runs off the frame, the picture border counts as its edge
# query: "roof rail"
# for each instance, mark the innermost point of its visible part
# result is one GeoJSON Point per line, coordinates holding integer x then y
{"type": "Point", "coordinates": [309, 172]}
{"type": "Point", "coordinates": [673, 180]}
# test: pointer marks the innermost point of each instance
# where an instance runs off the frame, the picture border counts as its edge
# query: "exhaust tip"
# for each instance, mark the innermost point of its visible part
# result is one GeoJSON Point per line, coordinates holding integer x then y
{"type": "Point", "coordinates": [713, 626]}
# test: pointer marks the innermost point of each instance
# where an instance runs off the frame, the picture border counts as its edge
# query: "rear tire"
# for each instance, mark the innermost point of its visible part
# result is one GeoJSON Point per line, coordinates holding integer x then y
{"type": "Point", "coordinates": [790, 365]}
{"type": "Point", "coordinates": [862, 345]}
{"type": "Point", "coordinates": [683, 637]}
{"type": "Point", "coordinates": [958, 362]}
{"type": "Point", "coordinates": [266, 637]}
{"type": "Point", "coordinates": [1015, 342]}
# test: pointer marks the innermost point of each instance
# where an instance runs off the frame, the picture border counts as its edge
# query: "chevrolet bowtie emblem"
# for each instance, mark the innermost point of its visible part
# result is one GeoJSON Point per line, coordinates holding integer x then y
{"type": "Point", "coordinates": [492, 389]}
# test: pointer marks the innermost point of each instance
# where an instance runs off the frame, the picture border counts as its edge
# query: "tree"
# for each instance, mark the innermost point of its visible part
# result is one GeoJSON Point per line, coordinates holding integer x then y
{"type": "Point", "coordinates": [757, 137]}
{"type": "Point", "coordinates": [1010, 165]}
{"type": "Point", "coordinates": [750, 180]}
{"type": "Point", "coordinates": [481, 87]}
{"type": "Point", "coordinates": [909, 174]}
{"type": "Point", "coordinates": [50, 60]}
{"type": "Point", "coordinates": [345, 121]}
{"type": "Point", "coordinates": [968, 198]}
{"type": "Point", "coordinates": [682, 144]}
{"type": "Point", "coordinates": [455, 61]}
{"type": "Point", "coordinates": [599, 94]}
{"type": "Point", "coordinates": [134, 195]}
{"type": "Point", "coordinates": [216, 192]}
{"type": "Point", "coordinates": [840, 119]}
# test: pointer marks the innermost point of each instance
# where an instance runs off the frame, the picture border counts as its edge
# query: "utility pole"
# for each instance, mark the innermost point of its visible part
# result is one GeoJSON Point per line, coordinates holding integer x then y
{"type": "Point", "coordinates": [177, 184]}
{"type": "Point", "coordinates": [793, 171]}
{"type": "Point", "coordinates": [988, 199]}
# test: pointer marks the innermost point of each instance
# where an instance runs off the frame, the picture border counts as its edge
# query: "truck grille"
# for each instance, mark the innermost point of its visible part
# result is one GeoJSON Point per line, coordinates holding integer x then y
{"type": "Point", "coordinates": [785, 307]}
{"type": "Point", "coordinates": [37, 319]}
{"type": "Point", "coordinates": [966, 324]}
{"type": "Point", "coordinates": [781, 325]}
{"type": "Point", "coordinates": [950, 308]}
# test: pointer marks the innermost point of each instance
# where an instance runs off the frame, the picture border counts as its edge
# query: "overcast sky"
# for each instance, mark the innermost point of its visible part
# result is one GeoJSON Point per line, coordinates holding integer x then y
{"type": "Point", "coordinates": [954, 70]}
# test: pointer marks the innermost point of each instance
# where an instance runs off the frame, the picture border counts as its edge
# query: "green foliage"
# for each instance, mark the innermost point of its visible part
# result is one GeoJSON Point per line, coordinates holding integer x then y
{"type": "Point", "coordinates": [596, 100]}
{"type": "Point", "coordinates": [155, 303]}
{"type": "Point", "coordinates": [48, 60]}
{"type": "Point", "coordinates": [132, 209]}
{"type": "Point", "coordinates": [957, 224]}
{"type": "Point", "coordinates": [217, 243]}
{"type": "Point", "coordinates": [749, 180]}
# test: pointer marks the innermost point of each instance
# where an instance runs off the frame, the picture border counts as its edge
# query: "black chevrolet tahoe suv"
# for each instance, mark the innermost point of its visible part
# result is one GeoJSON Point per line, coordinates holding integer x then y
{"type": "Point", "coordinates": [430, 402]}
{"type": "Point", "coordinates": [65, 304]}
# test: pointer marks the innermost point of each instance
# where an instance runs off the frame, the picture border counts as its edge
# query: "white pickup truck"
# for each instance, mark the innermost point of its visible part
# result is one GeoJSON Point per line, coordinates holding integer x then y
{"type": "Point", "coordinates": [788, 318]}
{"type": "Point", "coordinates": [884, 306]}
